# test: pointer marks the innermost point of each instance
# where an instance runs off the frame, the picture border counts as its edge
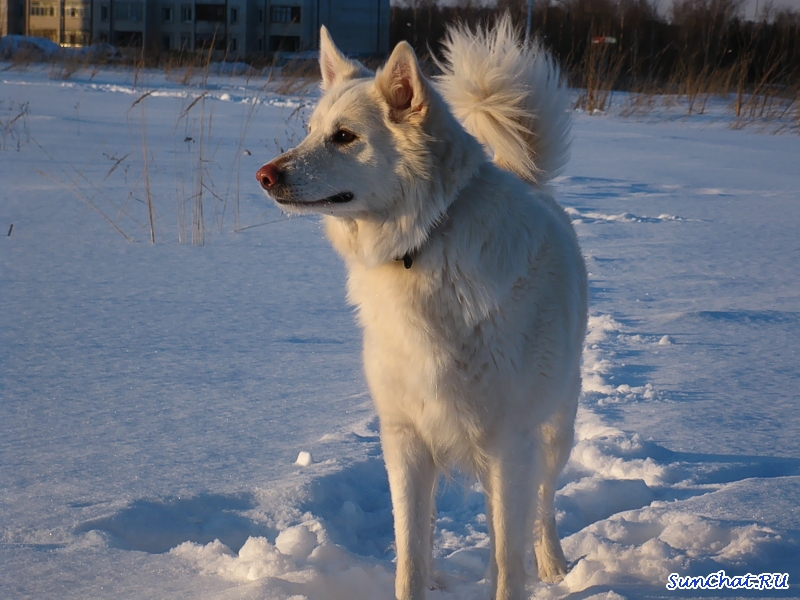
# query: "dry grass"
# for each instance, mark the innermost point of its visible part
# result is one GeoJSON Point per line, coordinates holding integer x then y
{"type": "Point", "coordinates": [769, 101]}
{"type": "Point", "coordinates": [599, 74]}
{"type": "Point", "coordinates": [641, 101]}
{"type": "Point", "coordinates": [14, 124]}
{"type": "Point", "coordinates": [206, 179]}
{"type": "Point", "coordinates": [298, 77]}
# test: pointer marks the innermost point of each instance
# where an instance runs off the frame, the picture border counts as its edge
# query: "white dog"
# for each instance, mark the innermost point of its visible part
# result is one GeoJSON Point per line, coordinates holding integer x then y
{"type": "Point", "coordinates": [469, 282]}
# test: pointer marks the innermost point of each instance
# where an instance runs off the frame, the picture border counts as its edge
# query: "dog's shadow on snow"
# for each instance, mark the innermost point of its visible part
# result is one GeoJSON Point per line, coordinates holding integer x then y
{"type": "Point", "coordinates": [355, 505]}
{"type": "Point", "coordinates": [356, 508]}
{"type": "Point", "coordinates": [157, 525]}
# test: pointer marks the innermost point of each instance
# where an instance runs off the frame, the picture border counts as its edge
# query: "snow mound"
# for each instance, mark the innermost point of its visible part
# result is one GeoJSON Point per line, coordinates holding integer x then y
{"type": "Point", "coordinates": [597, 217]}
{"type": "Point", "coordinates": [302, 563]}
{"type": "Point", "coordinates": [27, 48]}
{"type": "Point", "coordinates": [649, 544]}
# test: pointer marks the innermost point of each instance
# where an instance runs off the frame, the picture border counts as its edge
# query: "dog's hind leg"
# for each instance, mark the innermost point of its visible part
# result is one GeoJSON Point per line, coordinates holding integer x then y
{"type": "Point", "coordinates": [510, 482]}
{"type": "Point", "coordinates": [412, 475]}
{"type": "Point", "coordinates": [557, 437]}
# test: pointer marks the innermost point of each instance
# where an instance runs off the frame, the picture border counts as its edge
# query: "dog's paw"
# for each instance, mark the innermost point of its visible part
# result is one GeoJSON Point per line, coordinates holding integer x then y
{"type": "Point", "coordinates": [552, 565]}
{"type": "Point", "coordinates": [553, 572]}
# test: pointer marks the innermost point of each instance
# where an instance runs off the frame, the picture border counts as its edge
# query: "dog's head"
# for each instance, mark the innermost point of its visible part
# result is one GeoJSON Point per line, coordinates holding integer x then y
{"type": "Point", "coordinates": [365, 145]}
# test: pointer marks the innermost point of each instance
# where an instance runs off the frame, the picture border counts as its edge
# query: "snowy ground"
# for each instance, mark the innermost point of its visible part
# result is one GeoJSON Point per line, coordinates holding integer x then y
{"type": "Point", "coordinates": [154, 398]}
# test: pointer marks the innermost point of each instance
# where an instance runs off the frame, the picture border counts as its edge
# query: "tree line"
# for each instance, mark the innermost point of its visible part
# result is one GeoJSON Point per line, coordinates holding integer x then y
{"type": "Point", "coordinates": [628, 44]}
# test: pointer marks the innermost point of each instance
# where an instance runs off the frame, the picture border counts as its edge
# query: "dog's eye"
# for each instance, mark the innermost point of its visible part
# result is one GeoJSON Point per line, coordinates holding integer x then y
{"type": "Point", "coordinates": [342, 136]}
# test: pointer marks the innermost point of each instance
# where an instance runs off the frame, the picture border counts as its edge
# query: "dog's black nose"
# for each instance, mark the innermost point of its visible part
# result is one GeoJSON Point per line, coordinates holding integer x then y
{"type": "Point", "coordinates": [268, 175]}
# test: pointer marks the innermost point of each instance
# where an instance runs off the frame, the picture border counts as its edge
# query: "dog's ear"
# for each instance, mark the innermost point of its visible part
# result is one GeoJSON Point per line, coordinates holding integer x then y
{"type": "Point", "coordinates": [402, 84]}
{"type": "Point", "coordinates": [335, 66]}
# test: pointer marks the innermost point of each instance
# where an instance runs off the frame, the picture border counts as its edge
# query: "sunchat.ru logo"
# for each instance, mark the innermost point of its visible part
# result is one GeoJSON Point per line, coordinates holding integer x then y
{"type": "Point", "coordinates": [721, 581]}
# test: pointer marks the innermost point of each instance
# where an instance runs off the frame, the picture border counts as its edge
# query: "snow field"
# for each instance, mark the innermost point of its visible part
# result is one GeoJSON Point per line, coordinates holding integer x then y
{"type": "Point", "coordinates": [192, 422]}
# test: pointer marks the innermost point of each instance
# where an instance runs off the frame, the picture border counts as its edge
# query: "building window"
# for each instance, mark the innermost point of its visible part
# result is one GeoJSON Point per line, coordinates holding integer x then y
{"type": "Point", "coordinates": [260, 45]}
{"type": "Point", "coordinates": [210, 13]}
{"type": "Point", "coordinates": [42, 10]}
{"type": "Point", "coordinates": [128, 39]}
{"type": "Point", "coordinates": [234, 14]}
{"type": "Point", "coordinates": [284, 43]}
{"type": "Point", "coordinates": [260, 15]}
{"type": "Point", "coordinates": [166, 43]}
{"type": "Point", "coordinates": [206, 41]}
{"type": "Point", "coordinates": [128, 11]}
{"type": "Point", "coordinates": [104, 12]}
{"type": "Point", "coordinates": [186, 13]}
{"type": "Point", "coordinates": [75, 11]}
{"type": "Point", "coordinates": [169, 14]}
{"type": "Point", "coordinates": [76, 38]}
{"type": "Point", "coordinates": [285, 14]}
{"type": "Point", "coordinates": [49, 34]}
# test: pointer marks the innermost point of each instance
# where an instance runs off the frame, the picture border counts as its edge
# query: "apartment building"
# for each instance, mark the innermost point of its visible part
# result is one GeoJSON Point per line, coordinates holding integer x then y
{"type": "Point", "coordinates": [12, 17]}
{"type": "Point", "coordinates": [238, 28]}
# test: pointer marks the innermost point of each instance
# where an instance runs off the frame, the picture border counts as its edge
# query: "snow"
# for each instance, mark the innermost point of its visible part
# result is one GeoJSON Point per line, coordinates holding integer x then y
{"type": "Point", "coordinates": [192, 422]}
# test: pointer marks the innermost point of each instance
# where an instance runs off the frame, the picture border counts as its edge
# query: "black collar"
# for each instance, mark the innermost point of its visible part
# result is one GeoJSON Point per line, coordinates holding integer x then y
{"type": "Point", "coordinates": [407, 259]}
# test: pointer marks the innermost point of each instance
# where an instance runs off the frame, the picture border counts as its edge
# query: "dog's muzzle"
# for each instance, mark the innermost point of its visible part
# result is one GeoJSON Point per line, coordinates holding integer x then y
{"type": "Point", "coordinates": [272, 180]}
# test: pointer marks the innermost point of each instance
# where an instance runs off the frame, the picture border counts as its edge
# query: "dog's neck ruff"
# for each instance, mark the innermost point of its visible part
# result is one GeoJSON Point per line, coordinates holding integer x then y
{"type": "Point", "coordinates": [408, 257]}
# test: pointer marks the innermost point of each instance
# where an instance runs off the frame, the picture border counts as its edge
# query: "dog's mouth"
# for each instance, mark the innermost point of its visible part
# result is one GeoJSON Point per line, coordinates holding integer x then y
{"type": "Point", "coordinates": [340, 198]}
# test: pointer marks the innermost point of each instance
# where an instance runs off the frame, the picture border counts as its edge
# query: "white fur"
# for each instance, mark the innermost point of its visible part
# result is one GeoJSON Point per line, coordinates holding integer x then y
{"type": "Point", "coordinates": [472, 354]}
{"type": "Point", "coordinates": [510, 97]}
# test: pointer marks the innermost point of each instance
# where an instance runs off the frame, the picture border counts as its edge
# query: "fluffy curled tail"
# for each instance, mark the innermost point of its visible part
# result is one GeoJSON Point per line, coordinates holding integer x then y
{"type": "Point", "coordinates": [510, 97]}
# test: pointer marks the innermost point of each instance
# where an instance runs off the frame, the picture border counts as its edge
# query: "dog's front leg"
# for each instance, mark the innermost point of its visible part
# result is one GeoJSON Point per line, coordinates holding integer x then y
{"type": "Point", "coordinates": [412, 475]}
{"type": "Point", "coordinates": [509, 485]}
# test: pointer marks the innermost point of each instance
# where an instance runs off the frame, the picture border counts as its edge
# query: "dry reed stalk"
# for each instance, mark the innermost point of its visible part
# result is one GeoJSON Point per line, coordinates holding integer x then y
{"type": "Point", "coordinates": [198, 221]}
{"type": "Point", "coordinates": [139, 66]}
{"type": "Point", "coordinates": [796, 103]}
{"type": "Point", "coordinates": [297, 77]}
{"type": "Point", "coordinates": [182, 195]}
{"type": "Point", "coordinates": [252, 108]}
{"type": "Point", "coordinates": [9, 127]}
{"type": "Point", "coordinates": [148, 192]}
{"type": "Point", "coordinates": [600, 70]}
